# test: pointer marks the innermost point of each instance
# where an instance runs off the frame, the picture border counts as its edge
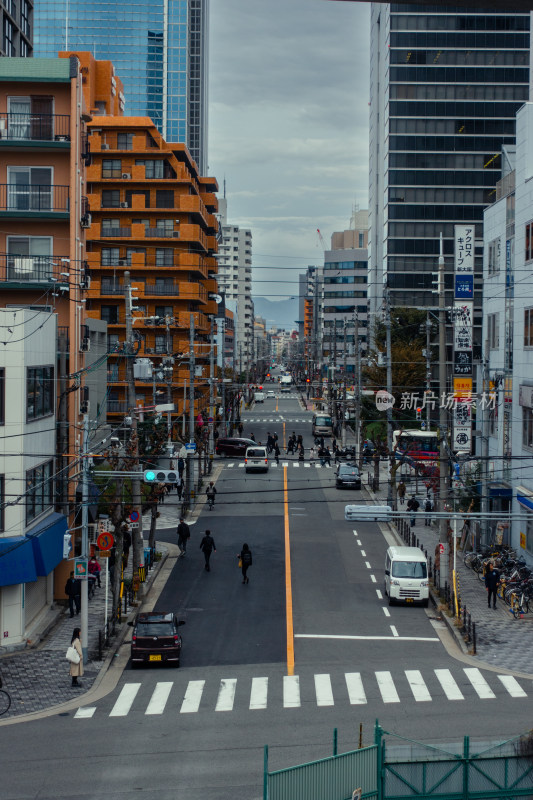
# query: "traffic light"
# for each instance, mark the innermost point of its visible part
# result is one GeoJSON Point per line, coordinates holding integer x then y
{"type": "Point", "coordinates": [67, 544]}
{"type": "Point", "coordinates": [419, 413]}
{"type": "Point", "coordinates": [160, 476]}
{"type": "Point", "coordinates": [308, 381]}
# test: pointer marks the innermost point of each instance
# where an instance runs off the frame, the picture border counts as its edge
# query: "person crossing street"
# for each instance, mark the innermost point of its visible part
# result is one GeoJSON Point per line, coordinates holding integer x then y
{"type": "Point", "coordinates": [184, 534]}
{"type": "Point", "coordinates": [207, 545]}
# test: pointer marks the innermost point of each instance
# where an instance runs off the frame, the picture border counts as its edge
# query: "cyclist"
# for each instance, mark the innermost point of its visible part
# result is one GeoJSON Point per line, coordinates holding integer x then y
{"type": "Point", "coordinates": [211, 492]}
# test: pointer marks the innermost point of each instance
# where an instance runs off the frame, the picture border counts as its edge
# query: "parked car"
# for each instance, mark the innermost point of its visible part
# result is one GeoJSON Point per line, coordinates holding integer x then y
{"type": "Point", "coordinates": [348, 475]}
{"type": "Point", "coordinates": [256, 459]}
{"type": "Point", "coordinates": [233, 446]}
{"type": "Point", "coordinates": [155, 638]}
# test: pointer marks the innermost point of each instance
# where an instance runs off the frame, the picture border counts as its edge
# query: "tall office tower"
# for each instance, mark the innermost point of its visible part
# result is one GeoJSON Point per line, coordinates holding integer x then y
{"type": "Point", "coordinates": [235, 283]}
{"type": "Point", "coordinates": [17, 28]}
{"type": "Point", "coordinates": [445, 88]}
{"type": "Point", "coordinates": [159, 51]}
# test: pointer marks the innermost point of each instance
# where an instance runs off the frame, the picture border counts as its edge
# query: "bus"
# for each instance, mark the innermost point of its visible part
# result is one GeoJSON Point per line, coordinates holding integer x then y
{"type": "Point", "coordinates": [322, 425]}
{"type": "Point", "coordinates": [415, 444]}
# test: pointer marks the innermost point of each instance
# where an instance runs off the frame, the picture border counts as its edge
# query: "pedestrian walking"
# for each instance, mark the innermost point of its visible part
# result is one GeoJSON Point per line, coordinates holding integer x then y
{"type": "Point", "coordinates": [76, 670]}
{"type": "Point", "coordinates": [245, 561]}
{"type": "Point", "coordinates": [327, 457]}
{"type": "Point", "coordinates": [301, 454]}
{"type": "Point", "coordinates": [73, 592]}
{"type": "Point", "coordinates": [413, 505]}
{"type": "Point", "coordinates": [270, 442]}
{"type": "Point", "coordinates": [252, 437]}
{"type": "Point", "coordinates": [181, 466]}
{"type": "Point", "coordinates": [312, 452]}
{"type": "Point", "coordinates": [240, 428]}
{"type": "Point", "coordinates": [184, 534]}
{"type": "Point", "coordinates": [402, 488]}
{"type": "Point", "coordinates": [276, 452]}
{"type": "Point", "coordinates": [95, 569]}
{"type": "Point", "coordinates": [428, 508]}
{"type": "Point", "coordinates": [207, 545]}
{"type": "Point", "coordinates": [492, 581]}
{"type": "Point", "coordinates": [180, 486]}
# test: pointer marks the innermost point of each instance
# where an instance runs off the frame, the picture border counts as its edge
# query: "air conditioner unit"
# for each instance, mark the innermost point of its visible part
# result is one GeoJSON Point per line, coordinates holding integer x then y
{"type": "Point", "coordinates": [85, 345]}
{"type": "Point", "coordinates": [176, 234]}
{"type": "Point", "coordinates": [124, 204]}
{"type": "Point", "coordinates": [123, 262]}
{"type": "Point", "coordinates": [126, 176]}
{"type": "Point", "coordinates": [86, 221]}
{"type": "Point", "coordinates": [104, 146]}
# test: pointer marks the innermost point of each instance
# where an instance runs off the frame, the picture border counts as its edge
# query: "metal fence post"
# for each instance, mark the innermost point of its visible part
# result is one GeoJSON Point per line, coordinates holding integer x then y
{"type": "Point", "coordinates": [265, 773]}
{"type": "Point", "coordinates": [335, 741]}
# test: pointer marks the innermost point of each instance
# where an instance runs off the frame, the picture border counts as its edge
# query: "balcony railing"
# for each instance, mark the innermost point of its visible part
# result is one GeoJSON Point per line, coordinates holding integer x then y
{"type": "Point", "coordinates": [31, 269]}
{"type": "Point", "coordinates": [117, 406]}
{"type": "Point", "coordinates": [111, 288]}
{"type": "Point", "coordinates": [19, 197]}
{"type": "Point", "coordinates": [161, 233]}
{"type": "Point", "coordinates": [28, 127]}
{"type": "Point", "coordinates": [168, 289]}
{"type": "Point", "coordinates": [115, 233]}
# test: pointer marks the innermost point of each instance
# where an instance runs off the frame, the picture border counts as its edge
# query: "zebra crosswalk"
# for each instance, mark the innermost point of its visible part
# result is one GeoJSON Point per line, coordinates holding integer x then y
{"type": "Point", "coordinates": [278, 419]}
{"type": "Point", "coordinates": [324, 690]}
{"type": "Point", "coordinates": [273, 464]}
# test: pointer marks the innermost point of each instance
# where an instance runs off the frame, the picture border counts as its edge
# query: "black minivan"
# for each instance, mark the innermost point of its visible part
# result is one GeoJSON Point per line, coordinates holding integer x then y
{"type": "Point", "coordinates": [233, 446]}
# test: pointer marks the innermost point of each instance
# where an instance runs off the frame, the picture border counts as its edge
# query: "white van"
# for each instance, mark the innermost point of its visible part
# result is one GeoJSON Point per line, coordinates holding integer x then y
{"type": "Point", "coordinates": [256, 459]}
{"type": "Point", "coordinates": [406, 575]}
{"type": "Point", "coordinates": [259, 397]}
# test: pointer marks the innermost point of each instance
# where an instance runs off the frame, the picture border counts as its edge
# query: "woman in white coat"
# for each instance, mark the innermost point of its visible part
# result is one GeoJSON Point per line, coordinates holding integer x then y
{"type": "Point", "coordinates": [76, 670]}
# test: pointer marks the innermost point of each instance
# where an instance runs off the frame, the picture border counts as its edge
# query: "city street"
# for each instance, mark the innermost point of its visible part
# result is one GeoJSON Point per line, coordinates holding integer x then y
{"type": "Point", "coordinates": [199, 731]}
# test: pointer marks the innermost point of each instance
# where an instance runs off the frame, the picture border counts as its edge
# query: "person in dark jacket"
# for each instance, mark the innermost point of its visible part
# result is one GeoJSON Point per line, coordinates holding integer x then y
{"type": "Point", "coordinates": [73, 592]}
{"type": "Point", "coordinates": [246, 561]}
{"type": "Point", "coordinates": [207, 545]}
{"type": "Point", "coordinates": [276, 452]}
{"type": "Point", "coordinates": [184, 533]}
{"type": "Point", "coordinates": [492, 581]}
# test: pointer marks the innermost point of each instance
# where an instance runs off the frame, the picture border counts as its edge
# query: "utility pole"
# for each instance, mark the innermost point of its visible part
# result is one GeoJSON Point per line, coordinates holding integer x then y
{"type": "Point", "coordinates": [222, 361]}
{"type": "Point", "coordinates": [443, 417]}
{"type": "Point", "coordinates": [191, 407]}
{"type": "Point", "coordinates": [212, 394]}
{"type": "Point", "coordinates": [485, 526]}
{"type": "Point", "coordinates": [137, 533]}
{"type": "Point", "coordinates": [85, 538]}
{"type": "Point", "coordinates": [357, 353]}
{"type": "Point", "coordinates": [389, 390]}
{"type": "Point", "coordinates": [168, 374]}
{"type": "Point", "coordinates": [344, 389]}
{"type": "Point", "coordinates": [428, 370]}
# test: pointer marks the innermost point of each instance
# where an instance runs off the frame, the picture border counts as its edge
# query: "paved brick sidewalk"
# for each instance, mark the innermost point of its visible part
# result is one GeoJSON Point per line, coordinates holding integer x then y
{"type": "Point", "coordinates": [502, 640]}
{"type": "Point", "coordinates": [38, 678]}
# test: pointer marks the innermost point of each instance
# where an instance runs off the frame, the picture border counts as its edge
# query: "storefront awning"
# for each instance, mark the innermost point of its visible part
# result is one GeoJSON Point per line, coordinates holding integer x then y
{"type": "Point", "coordinates": [500, 490]}
{"type": "Point", "coordinates": [524, 497]}
{"type": "Point", "coordinates": [47, 542]}
{"type": "Point", "coordinates": [17, 563]}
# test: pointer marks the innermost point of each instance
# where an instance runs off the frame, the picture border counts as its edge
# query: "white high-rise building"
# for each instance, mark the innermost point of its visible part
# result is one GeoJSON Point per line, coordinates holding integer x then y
{"type": "Point", "coordinates": [235, 282]}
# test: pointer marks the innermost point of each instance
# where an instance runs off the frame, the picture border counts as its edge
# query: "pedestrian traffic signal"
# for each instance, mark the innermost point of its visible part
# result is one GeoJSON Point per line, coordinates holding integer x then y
{"type": "Point", "coordinates": [67, 545]}
{"type": "Point", "coordinates": [160, 476]}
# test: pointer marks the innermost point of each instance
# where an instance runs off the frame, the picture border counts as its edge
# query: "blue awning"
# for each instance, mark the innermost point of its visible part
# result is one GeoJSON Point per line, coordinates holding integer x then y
{"type": "Point", "coordinates": [500, 490]}
{"type": "Point", "coordinates": [17, 563]}
{"type": "Point", "coordinates": [47, 542]}
{"type": "Point", "coordinates": [524, 497]}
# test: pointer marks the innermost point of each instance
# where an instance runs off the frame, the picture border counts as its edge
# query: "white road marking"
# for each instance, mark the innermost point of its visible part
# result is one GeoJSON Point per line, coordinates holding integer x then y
{"type": "Point", "coordinates": [125, 700]}
{"type": "Point", "coordinates": [449, 686]}
{"type": "Point", "coordinates": [193, 696]}
{"type": "Point", "coordinates": [159, 697]}
{"type": "Point", "coordinates": [356, 692]}
{"type": "Point", "coordinates": [395, 638]}
{"type": "Point", "coordinates": [273, 464]}
{"type": "Point", "coordinates": [259, 693]}
{"type": "Point", "coordinates": [307, 465]}
{"type": "Point", "coordinates": [241, 464]}
{"type": "Point", "coordinates": [355, 534]}
{"type": "Point", "coordinates": [323, 690]}
{"type": "Point", "coordinates": [363, 553]}
{"type": "Point", "coordinates": [512, 686]}
{"type": "Point", "coordinates": [230, 466]}
{"type": "Point", "coordinates": [373, 578]}
{"type": "Point", "coordinates": [367, 563]}
{"type": "Point", "coordinates": [358, 541]}
{"type": "Point", "coordinates": [378, 592]}
{"type": "Point", "coordinates": [85, 712]}
{"type": "Point", "coordinates": [296, 465]}
{"type": "Point", "coordinates": [291, 691]}
{"type": "Point", "coordinates": [285, 464]}
{"type": "Point", "coordinates": [394, 631]}
{"type": "Point", "coordinates": [479, 683]}
{"type": "Point", "coordinates": [418, 685]}
{"type": "Point", "coordinates": [226, 694]}
{"type": "Point", "coordinates": [319, 466]}
{"type": "Point", "coordinates": [387, 687]}
{"type": "Point", "coordinates": [386, 611]}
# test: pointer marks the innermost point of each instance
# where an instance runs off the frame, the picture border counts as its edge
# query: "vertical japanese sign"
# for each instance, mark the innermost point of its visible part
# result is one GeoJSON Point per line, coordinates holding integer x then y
{"type": "Point", "coordinates": [463, 324]}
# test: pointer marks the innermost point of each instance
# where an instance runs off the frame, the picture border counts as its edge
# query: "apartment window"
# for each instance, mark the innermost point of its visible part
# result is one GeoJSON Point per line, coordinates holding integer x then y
{"type": "Point", "coordinates": [145, 222]}
{"type": "Point", "coordinates": [528, 327]}
{"type": "Point", "coordinates": [110, 198]}
{"type": "Point", "coordinates": [39, 490]}
{"type": "Point", "coordinates": [361, 240]}
{"type": "Point", "coordinates": [30, 188]}
{"type": "Point", "coordinates": [124, 141]}
{"type": "Point", "coordinates": [160, 343]}
{"type": "Point", "coordinates": [153, 168]}
{"type": "Point", "coordinates": [29, 258]}
{"type": "Point", "coordinates": [2, 396]}
{"type": "Point", "coordinates": [24, 49]}
{"type": "Point", "coordinates": [111, 168]}
{"type": "Point", "coordinates": [493, 331]}
{"type": "Point", "coordinates": [40, 392]}
{"type": "Point", "coordinates": [164, 198]}
{"type": "Point", "coordinates": [25, 18]}
{"type": "Point", "coordinates": [112, 342]}
{"type": "Point", "coordinates": [164, 257]}
{"type": "Point", "coordinates": [9, 47]}
{"type": "Point", "coordinates": [494, 256]}
{"type": "Point", "coordinates": [164, 311]}
{"type": "Point", "coordinates": [110, 256]}
{"type": "Point", "coordinates": [527, 427]}
{"type": "Point", "coordinates": [166, 226]}
{"type": "Point", "coordinates": [109, 314]}
{"type": "Point", "coordinates": [529, 241]}
{"type": "Point", "coordinates": [138, 250]}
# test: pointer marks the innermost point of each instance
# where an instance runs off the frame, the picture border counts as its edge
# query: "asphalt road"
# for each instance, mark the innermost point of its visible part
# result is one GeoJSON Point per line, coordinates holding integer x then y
{"type": "Point", "coordinates": [198, 732]}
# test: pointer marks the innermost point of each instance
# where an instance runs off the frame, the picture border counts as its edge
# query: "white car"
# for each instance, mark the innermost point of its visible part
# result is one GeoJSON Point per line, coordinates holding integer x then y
{"type": "Point", "coordinates": [270, 393]}
{"type": "Point", "coordinates": [256, 459]}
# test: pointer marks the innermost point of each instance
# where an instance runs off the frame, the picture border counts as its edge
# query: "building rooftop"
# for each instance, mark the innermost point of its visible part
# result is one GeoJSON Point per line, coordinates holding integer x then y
{"type": "Point", "coordinates": [46, 70]}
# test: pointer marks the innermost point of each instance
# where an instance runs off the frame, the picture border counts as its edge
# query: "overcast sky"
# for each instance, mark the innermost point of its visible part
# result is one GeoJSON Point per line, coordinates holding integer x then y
{"type": "Point", "coordinates": [288, 125]}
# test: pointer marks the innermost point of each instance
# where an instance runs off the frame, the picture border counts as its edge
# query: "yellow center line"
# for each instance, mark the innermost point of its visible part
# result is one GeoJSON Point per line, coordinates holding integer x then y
{"type": "Point", "coordinates": [277, 401]}
{"type": "Point", "coordinates": [288, 583]}
{"type": "Point", "coordinates": [284, 445]}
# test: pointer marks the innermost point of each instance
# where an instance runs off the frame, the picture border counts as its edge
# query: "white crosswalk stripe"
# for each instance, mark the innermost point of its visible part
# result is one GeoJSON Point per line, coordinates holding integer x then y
{"type": "Point", "coordinates": [229, 466]}
{"type": "Point", "coordinates": [354, 688]}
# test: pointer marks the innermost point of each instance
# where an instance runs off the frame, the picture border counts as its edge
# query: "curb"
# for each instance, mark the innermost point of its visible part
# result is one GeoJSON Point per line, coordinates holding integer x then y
{"type": "Point", "coordinates": [107, 678]}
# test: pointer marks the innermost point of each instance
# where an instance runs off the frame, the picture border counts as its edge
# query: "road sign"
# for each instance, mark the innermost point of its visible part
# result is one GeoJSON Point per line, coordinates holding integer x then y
{"type": "Point", "coordinates": [441, 548]}
{"type": "Point", "coordinates": [134, 516]}
{"type": "Point", "coordinates": [80, 568]}
{"type": "Point", "coordinates": [104, 554]}
{"type": "Point", "coordinates": [210, 420]}
{"type": "Point", "coordinates": [134, 525]}
{"type": "Point", "coordinates": [105, 541]}
{"type": "Point", "coordinates": [190, 447]}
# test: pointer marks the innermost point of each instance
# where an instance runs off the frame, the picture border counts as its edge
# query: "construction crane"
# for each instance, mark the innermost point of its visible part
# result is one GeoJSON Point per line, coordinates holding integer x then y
{"type": "Point", "coordinates": [322, 242]}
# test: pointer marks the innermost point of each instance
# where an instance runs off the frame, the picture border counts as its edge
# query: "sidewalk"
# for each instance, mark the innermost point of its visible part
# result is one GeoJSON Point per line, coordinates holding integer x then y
{"type": "Point", "coordinates": [501, 640]}
{"type": "Point", "coordinates": [38, 678]}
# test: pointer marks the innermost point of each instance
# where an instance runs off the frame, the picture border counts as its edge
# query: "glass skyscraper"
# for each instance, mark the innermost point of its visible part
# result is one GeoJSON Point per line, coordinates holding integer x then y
{"type": "Point", "coordinates": [445, 87]}
{"type": "Point", "coordinates": [159, 52]}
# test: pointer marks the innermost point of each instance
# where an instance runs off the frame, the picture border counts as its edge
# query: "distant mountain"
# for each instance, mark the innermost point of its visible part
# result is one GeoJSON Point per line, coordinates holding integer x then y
{"type": "Point", "coordinates": [278, 313]}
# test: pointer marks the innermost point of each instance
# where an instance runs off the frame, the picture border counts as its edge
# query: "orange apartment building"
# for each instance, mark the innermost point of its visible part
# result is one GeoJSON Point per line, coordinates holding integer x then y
{"type": "Point", "coordinates": [154, 216]}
